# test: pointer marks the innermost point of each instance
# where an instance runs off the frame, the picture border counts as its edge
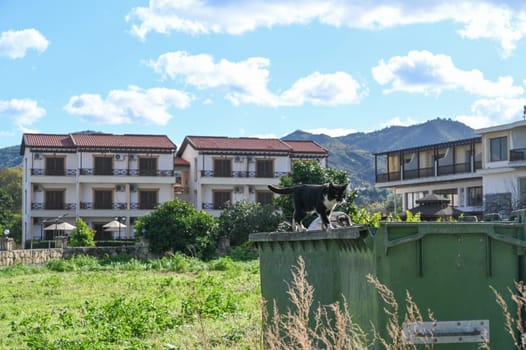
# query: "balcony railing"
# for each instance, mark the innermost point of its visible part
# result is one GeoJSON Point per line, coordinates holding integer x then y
{"type": "Point", "coordinates": [128, 172]}
{"type": "Point", "coordinates": [104, 206]}
{"type": "Point", "coordinates": [143, 206]}
{"type": "Point", "coordinates": [517, 154]}
{"type": "Point", "coordinates": [243, 174]}
{"type": "Point", "coordinates": [459, 168]}
{"type": "Point", "coordinates": [53, 206]}
{"type": "Point", "coordinates": [54, 172]}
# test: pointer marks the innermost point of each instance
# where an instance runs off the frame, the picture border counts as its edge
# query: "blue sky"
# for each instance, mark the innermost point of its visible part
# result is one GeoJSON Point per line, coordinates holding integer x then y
{"type": "Point", "coordinates": [257, 68]}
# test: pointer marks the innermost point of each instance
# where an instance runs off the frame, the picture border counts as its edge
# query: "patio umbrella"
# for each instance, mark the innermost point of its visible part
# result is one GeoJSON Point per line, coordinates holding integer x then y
{"type": "Point", "coordinates": [113, 226]}
{"type": "Point", "coordinates": [62, 226]}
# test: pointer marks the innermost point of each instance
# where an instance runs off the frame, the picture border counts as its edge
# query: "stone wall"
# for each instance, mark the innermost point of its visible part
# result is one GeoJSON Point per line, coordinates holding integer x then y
{"type": "Point", "coordinates": [41, 256]}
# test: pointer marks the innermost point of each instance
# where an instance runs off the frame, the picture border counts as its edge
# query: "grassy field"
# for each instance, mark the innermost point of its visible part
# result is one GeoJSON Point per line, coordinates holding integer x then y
{"type": "Point", "coordinates": [171, 303]}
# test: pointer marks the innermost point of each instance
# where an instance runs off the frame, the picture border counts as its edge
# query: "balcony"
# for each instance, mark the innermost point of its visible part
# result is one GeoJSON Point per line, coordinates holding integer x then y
{"type": "Point", "coordinates": [517, 154]}
{"type": "Point", "coordinates": [143, 206]}
{"type": "Point", "coordinates": [442, 170]}
{"type": "Point", "coordinates": [53, 206]}
{"type": "Point", "coordinates": [243, 174]}
{"type": "Point", "coordinates": [53, 172]}
{"type": "Point", "coordinates": [128, 172]}
{"type": "Point", "coordinates": [104, 206]}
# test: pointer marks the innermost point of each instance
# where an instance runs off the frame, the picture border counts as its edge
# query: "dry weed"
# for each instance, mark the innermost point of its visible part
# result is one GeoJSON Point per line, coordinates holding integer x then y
{"type": "Point", "coordinates": [332, 327]}
{"type": "Point", "coordinates": [514, 325]}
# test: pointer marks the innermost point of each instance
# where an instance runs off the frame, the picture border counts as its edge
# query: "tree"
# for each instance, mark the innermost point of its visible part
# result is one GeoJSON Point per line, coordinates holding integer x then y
{"type": "Point", "coordinates": [308, 172]}
{"type": "Point", "coordinates": [11, 182]}
{"type": "Point", "coordinates": [179, 227]}
{"type": "Point", "coordinates": [82, 236]}
{"type": "Point", "coordinates": [11, 202]}
{"type": "Point", "coordinates": [237, 221]}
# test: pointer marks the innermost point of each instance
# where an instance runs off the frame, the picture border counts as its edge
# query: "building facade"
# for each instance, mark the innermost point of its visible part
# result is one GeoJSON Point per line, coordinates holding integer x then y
{"type": "Point", "coordinates": [451, 169]}
{"type": "Point", "coordinates": [224, 169]}
{"type": "Point", "coordinates": [104, 177]}
{"type": "Point", "coordinates": [96, 177]}
{"type": "Point", "coordinates": [504, 167]}
{"type": "Point", "coordinates": [482, 175]}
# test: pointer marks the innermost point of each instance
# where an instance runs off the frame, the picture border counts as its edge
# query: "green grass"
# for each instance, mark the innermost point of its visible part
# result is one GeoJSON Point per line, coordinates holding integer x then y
{"type": "Point", "coordinates": [171, 303]}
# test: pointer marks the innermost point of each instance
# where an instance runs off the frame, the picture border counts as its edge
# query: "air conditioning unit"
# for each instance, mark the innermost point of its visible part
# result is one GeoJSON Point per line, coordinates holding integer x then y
{"type": "Point", "coordinates": [120, 188]}
{"type": "Point", "coordinates": [38, 188]}
{"type": "Point", "coordinates": [133, 157]}
{"type": "Point", "coordinates": [119, 157]}
{"type": "Point", "coordinates": [38, 156]}
{"type": "Point", "coordinates": [133, 187]}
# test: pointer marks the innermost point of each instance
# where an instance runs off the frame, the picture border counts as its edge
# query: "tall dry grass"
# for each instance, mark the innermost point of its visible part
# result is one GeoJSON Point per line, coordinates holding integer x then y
{"type": "Point", "coordinates": [331, 327]}
{"type": "Point", "coordinates": [514, 325]}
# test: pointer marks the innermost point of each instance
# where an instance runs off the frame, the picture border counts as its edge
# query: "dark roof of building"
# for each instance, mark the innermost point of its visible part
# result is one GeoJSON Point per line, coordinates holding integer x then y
{"type": "Point", "coordinates": [86, 141]}
{"type": "Point", "coordinates": [247, 144]}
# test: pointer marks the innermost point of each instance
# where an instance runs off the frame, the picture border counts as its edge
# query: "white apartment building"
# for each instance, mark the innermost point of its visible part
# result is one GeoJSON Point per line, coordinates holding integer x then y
{"type": "Point", "coordinates": [482, 175]}
{"type": "Point", "coordinates": [504, 166]}
{"type": "Point", "coordinates": [224, 169]}
{"type": "Point", "coordinates": [450, 169]}
{"type": "Point", "coordinates": [96, 177]}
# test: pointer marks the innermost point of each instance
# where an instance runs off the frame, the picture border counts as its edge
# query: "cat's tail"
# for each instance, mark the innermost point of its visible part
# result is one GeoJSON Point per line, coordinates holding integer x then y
{"type": "Point", "coordinates": [281, 190]}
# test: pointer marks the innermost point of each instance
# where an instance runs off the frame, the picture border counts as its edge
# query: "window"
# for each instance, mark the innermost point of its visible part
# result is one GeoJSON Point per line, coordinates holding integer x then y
{"type": "Point", "coordinates": [264, 197]}
{"type": "Point", "coordinates": [522, 192]}
{"type": "Point", "coordinates": [148, 166]}
{"type": "Point", "coordinates": [498, 149]}
{"type": "Point", "coordinates": [223, 167]}
{"type": "Point", "coordinates": [264, 168]}
{"type": "Point", "coordinates": [178, 178]}
{"type": "Point", "coordinates": [55, 166]}
{"type": "Point", "coordinates": [221, 198]}
{"type": "Point", "coordinates": [54, 199]}
{"type": "Point", "coordinates": [147, 199]}
{"type": "Point", "coordinates": [103, 199]}
{"type": "Point", "coordinates": [103, 166]}
{"type": "Point", "coordinates": [450, 194]}
{"type": "Point", "coordinates": [474, 196]}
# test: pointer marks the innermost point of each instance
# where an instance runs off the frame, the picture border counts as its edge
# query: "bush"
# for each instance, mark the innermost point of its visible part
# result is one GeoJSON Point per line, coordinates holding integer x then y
{"type": "Point", "coordinates": [237, 221]}
{"type": "Point", "coordinates": [177, 226]}
{"type": "Point", "coordinates": [82, 236]}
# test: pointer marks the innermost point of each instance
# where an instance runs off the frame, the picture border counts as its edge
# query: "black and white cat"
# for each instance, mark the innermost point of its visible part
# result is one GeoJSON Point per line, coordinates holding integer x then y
{"type": "Point", "coordinates": [308, 199]}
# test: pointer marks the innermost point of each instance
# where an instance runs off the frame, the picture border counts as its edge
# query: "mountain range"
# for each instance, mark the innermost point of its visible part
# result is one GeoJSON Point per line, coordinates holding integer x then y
{"type": "Point", "coordinates": [353, 152]}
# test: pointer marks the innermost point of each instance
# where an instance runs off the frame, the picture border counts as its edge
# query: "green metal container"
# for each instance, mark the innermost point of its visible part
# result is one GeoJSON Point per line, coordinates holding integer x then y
{"type": "Point", "coordinates": [336, 263]}
{"type": "Point", "coordinates": [447, 268]}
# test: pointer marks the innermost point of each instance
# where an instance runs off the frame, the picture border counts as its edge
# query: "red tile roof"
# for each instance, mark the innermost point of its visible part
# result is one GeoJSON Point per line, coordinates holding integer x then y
{"type": "Point", "coordinates": [181, 161]}
{"type": "Point", "coordinates": [122, 141]}
{"type": "Point", "coordinates": [86, 141]}
{"type": "Point", "coordinates": [305, 146]}
{"type": "Point", "coordinates": [48, 140]}
{"type": "Point", "coordinates": [218, 143]}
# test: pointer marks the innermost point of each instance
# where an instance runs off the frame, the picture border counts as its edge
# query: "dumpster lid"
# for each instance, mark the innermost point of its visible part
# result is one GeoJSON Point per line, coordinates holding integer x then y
{"type": "Point", "coordinates": [351, 232]}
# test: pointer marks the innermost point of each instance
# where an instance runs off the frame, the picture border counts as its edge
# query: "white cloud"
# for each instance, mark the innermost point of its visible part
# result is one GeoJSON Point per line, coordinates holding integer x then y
{"type": "Point", "coordinates": [243, 82]}
{"type": "Point", "coordinates": [503, 22]}
{"type": "Point", "coordinates": [23, 112]}
{"type": "Point", "coordinates": [324, 89]}
{"type": "Point", "coordinates": [14, 44]}
{"type": "Point", "coordinates": [397, 121]}
{"type": "Point", "coordinates": [335, 132]}
{"type": "Point", "coordinates": [128, 106]}
{"type": "Point", "coordinates": [427, 73]}
{"type": "Point", "coordinates": [490, 112]}
{"type": "Point", "coordinates": [247, 81]}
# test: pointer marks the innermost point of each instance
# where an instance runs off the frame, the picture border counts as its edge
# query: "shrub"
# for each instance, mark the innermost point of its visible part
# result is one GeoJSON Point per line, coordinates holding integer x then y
{"type": "Point", "coordinates": [177, 226]}
{"type": "Point", "coordinates": [82, 236]}
{"type": "Point", "coordinates": [237, 221]}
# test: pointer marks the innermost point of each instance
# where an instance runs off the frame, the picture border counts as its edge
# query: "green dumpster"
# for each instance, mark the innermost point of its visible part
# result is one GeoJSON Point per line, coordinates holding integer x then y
{"type": "Point", "coordinates": [447, 268]}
